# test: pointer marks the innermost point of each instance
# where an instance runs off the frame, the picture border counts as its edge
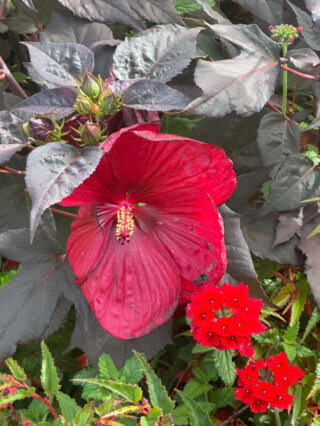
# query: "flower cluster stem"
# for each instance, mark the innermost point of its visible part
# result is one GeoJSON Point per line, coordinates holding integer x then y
{"type": "Point", "coordinates": [285, 82]}
{"type": "Point", "coordinates": [277, 416]}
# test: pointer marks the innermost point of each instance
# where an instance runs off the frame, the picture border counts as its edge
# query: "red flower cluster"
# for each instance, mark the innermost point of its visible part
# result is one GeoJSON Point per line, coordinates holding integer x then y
{"type": "Point", "coordinates": [264, 383]}
{"type": "Point", "coordinates": [225, 317]}
{"type": "Point", "coordinates": [148, 226]}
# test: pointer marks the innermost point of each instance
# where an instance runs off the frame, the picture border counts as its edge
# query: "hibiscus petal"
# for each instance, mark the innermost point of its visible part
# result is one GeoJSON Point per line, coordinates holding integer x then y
{"type": "Point", "coordinates": [191, 232]}
{"type": "Point", "coordinates": [133, 287]}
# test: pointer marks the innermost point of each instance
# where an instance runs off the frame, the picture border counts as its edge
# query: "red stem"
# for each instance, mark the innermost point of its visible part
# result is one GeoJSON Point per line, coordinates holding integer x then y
{"type": "Point", "coordinates": [47, 403]}
{"type": "Point", "coordinates": [5, 171]}
{"type": "Point", "coordinates": [180, 379]}
{"type": "Point", "coordinates": [300, 74]}
{"type": "Point", "coordinates": [274, 108]}
{"type": "Point", "coordinates": [14, 171]}
{"type": "Point", "coordinates": [12, 82]}
{"type": "Point", "coordinates": [74, 216]}
{"type": "Point", "coordinates": [3, 8]}
{"type": "Point", "coordinates": [15, 414]}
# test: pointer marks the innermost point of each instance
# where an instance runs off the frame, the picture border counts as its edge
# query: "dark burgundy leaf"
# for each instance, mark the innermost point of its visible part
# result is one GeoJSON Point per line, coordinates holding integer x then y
{"type": "Point", "coordinates": [290, 223]}
{"type": "Point", "coordinates": [277, 138]}
{"type": "Point", "coordinates": [243, 84]}
{"type": "Point", "coordinates": [60, 63]}
{"type": "Point", "coordinates": [28, 302]}
{"type": "Point", "coordinates": [314, 7]}
{"type": "Point", "coordinates": [53, 171]}
{"type": "Point", "coordinates": [159, 53]}
{"type": "Point", "coordinates": [310, 246]}
{"type": "Point", "coordinates": [49, 101]}
{"type": "Point", "coordinates": [267, 10]}
{"type": "Point", "coordinates": [94, 341]}
{"type": "Point", "coordinates": [13, 209]}
{"type": "Point", "coordinates": [310, 31]}
{"type": "Point", "coordinates": [12, 137]}
{"type": "Point", "coordinates": [297, 179]}
{"type": "Point", "coordinates": [153, 96]}
{"type": "Point", "coordinates": [260, 235]}
{"type": "Point", "coordinates": [240, 266]}
{"type": "Point", "coordinates": [304, 59]}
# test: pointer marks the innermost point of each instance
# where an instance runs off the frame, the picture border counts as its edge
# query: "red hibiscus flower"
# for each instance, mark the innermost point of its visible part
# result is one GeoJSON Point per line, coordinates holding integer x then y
{"type": "Point", "coordinates": [225, 317]}
{"type": "Point", "coordinates": [147, 218]}
{"type": "Point", "coordinates": [266, 383]}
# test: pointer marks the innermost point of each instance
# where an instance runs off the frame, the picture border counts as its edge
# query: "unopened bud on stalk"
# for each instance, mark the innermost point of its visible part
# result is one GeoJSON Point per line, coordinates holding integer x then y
{"type": "Point", "coordinates": [91, 86]}
{"type": "Point", "coordinates": [109, 102]}
{"type": "Point", "coordinates": [84, 105]}
{"type": "Point", "coordinates": [90, 133]}
{"type": "Point", "coordinates": [39, 128]}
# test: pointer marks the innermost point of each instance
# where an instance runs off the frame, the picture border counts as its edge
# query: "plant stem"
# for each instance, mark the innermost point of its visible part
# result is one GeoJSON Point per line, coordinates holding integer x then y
{"type": "Point", "coordinates": [74, 216]}
{"type": "Point", "coordinates": [47, 403]}
{"type": "Point", "coordinates": [12, 82]}
{"type": "Point", "coordinates": [300, 74]}
{"type": "Point", "coordinates": [234, 415]}
{"type": "Point", "coordinates": [3, 8]}
{"type": "Point", "coordinates": [285, 82]}
{"type": "Point", "coordinates": [13, 171]}
{"type": "Point", "coordinates": [15, 415]}
{"type": "Point", "coordinates": [277, 416]}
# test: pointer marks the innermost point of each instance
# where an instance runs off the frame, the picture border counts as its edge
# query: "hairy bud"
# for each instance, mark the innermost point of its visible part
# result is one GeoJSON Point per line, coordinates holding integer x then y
{"type": "Point", "coordinates": [84, 105]}
{"type": "Point", "coordinates": [109, 103]}
{"type": "Point", "coordinates": [90, 86]}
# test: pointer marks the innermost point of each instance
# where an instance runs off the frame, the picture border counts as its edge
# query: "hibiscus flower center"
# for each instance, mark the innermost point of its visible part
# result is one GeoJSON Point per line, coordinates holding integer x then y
{"type": "Point", "coordinates": [125, 222]}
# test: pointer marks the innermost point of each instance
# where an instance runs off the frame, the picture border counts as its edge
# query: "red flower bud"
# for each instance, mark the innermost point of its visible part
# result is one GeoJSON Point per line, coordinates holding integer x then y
{"type": "Point", "coordinates": [291, 39]}
{"type": "Point", "coordinates": [271, 28]}
{"type": "Point", "coordinates": [299, 29]}
{"type": "Point", "coordinates": [39, 128]}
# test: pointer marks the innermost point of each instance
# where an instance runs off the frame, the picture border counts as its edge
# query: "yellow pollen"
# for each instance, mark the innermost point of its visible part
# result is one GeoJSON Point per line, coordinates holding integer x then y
{"type": "Point", "coordinates": [125, 223]}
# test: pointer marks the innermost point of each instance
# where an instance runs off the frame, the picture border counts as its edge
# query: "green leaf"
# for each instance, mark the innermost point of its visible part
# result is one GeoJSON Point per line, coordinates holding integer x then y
{"type": "Point", "coordinates": [200, 349]}
{"type": "Point", "coordinates": [131, 372]}
{"type": "Point", "coordinates": [15, 369]}
{"type": "Point", "coordinates": [128, 391]}
{"type": "Point", "coordinates": [49, 377]}
{"type": "Point", "coordinates": [290, 336]}
{"type": "Point", "coordinates": [188, 6]}
{"type": "Point", "coordinates": [223, 397]}
{"type": "Point", "coordinates": [180, 415]}
{"type": "Point", "coordinates": [68, 405]}
{"type": "Point", "coordinates": [107, 368]}
{"type": "Point", "coordinates": [153, 416]}
{"type": "Point", "coordinates": [197, 415]}
{"type": "Point", "coordinates": [206, 372]}
{"type": "Point", "coordinates": [296, 406]}
{"type": "Point", "coordinates": [84, 416]}
{"type": "Point", "coordinates": [20, 394]}
{"type": "Point", "coordinates": [196, 388]}
{"type": "Point", "coordinates": [158, 393]}
{"type": "Point", "coordinates": [299, 302]}
{"type": "Point", "coordinates": [225, 366]}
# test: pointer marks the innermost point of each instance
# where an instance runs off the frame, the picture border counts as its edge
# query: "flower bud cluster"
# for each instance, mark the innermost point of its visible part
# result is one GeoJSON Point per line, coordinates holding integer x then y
{"type": "Point", "coordinates": [284, 33]}
{"type": "Point", "coordinates": [94, 98]}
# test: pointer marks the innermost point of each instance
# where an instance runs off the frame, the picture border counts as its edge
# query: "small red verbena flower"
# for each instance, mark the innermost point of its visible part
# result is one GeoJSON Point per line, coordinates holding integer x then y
{"type": "Point", "coordinates": [225, 317]}
{"type": "Point", "coordinates": [11, 388]}
{"type": "Point", "coordinates": [266, 383]}
{"type": "Point", "coordinates": [148, 227]}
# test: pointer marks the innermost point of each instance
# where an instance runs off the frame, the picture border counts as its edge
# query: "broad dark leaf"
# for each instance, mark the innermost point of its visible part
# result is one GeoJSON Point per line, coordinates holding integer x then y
{"type": "Point", "coordinates": [296, 180]}
{"type": "Point", "coordinates": [12, 137]}
{"type": "Point", "coordinates": [153, 96]}
{"type": "Point", "coordinates": [49, 101]}
{"type": "Point", "coordinates": [260, 235]}
{"type": "Point", "coordinates": [267, 10]}
{"type": "Point", "coordinates": [28, 302]}
{"type": "Point", "coordinates": [53, 171]}
{"type": "Point", "coordinates": [159, 53]}
{"type": "Point", "coordinates": [236, 135]}
{"type": "Point", "coordinates": [316, 121]}
{"type": "Point", "coordinates": [60, 63]}
{"type": "Point", "coordinates": [304, 59]}
{"type": "Point", "coordinates": [290, 223]}
{"type": "Point", "coordinates": [30, 4]}
{"type": "Point", "coordinates": [13, 209]}
{"type": "Point", "coordinates": [277, 138]}
{"type": "Point", "coordinates": [243, 84]}
{"type": "Point", "coordinates": [314, 7]}
{"type": "Point", "coordinates": [95, 341]}
{"type": "Point", "coordinates": [311, 32]}
{"type": "Point", "coordinates": [128, 12]}
{"type": "Point", "coordinates": [240, 266]}
{"type": "Point", "coordinates": [64, 26]}
{"type": "Point", "coordinates": [23, 19]}
{"type": "Point", "coordinates": [213, 12]}
{"type": "Point", "coordinates": [311, 248]}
